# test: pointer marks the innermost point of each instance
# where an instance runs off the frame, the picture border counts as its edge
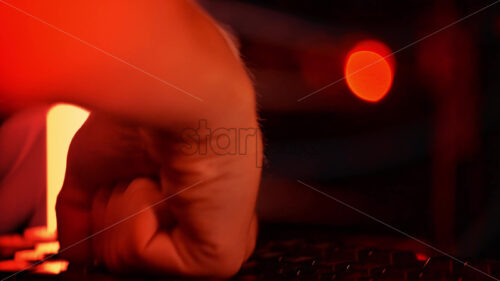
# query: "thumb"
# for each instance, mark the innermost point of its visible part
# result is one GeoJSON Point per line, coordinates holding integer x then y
{"type": "Point", "coordinates": [124, 222]}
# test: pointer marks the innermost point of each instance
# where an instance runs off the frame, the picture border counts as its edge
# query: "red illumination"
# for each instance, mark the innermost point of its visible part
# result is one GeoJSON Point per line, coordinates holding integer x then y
{"type": "Point", "coordinates": [421, 257]}
{"type": "Point", "coordinates": [368, 70]}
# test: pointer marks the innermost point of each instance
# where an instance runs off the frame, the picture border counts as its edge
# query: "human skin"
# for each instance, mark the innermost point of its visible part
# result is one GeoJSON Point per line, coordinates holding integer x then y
{"type": "Point", "coordinates": [22, 150]}
{"type": "Point", "coordinates": [128, 155]}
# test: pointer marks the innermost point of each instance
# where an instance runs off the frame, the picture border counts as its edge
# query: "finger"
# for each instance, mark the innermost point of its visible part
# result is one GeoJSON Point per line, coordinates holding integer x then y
{"type": "Point", "coordinates": [105, 152]}
{"type": "Point", "coordinates": [143, 196]}
{"type": "Point", "coordinates": [130, 222]}
{"type": "Point", "coordinates": [99, 203]}
{"type": "Point", "coordinates": [252, 236]}
{"type": "Point", "coordinates": [98, 213]}
{"type": "Point", "coordinates": [215, 231]}
{"type": "Point", "coordinates": [74, 223]}
{"type": "Point", "coordinates": [108, 202]}
{"type": "Point", "coordinates": [216, 226]}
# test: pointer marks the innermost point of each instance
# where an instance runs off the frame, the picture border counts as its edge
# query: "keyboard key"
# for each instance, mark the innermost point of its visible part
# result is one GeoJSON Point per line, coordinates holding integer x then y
{"type": "Point", "coordinates": [14, 265]}
{"type": "Point", "coordinates": [350, 267]}
{"type": "Point", "coordinates": [494, 268]}
{"type": "Point", "coordinates": [301, 266]}
{"type": "Point", "coordinates": [374, 256]}
{"type": "Point", "coordinates": [11, 243]}
{"type": "Point", "coordinates": [404, 259]}
{"type": "Point", "coordinates": [394, 273]}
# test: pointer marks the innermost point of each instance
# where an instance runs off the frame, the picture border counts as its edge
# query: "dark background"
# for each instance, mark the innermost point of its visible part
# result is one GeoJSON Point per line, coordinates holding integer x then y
{"type": "Point", "coordinates": [424, 158]}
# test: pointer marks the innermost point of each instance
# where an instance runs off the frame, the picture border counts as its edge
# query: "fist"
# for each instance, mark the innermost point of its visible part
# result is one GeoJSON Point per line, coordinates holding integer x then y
{"type": "Point", "coordinates": [133, 201]}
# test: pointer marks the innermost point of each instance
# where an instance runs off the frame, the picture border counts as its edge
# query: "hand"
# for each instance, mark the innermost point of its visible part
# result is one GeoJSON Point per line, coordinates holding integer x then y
{"type": "Point", "coordinates": [134, 137]}
{"type": "Point", "coordinates": [116, 170]}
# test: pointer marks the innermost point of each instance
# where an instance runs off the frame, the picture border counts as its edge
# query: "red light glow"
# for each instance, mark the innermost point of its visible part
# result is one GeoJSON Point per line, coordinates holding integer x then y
{"type": "Point", "coordinates": [421, 257]}
{"type": "Point", "coordinates": [368, 71]}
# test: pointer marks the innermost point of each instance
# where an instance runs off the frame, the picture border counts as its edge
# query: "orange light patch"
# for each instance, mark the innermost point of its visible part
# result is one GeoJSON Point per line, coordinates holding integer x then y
{"type": "Point", "coordinates": [51, 267]}
{"type": "Point", "coordinates": [368, 73]}
{"type": "Point", "coordinates": [63, 121]}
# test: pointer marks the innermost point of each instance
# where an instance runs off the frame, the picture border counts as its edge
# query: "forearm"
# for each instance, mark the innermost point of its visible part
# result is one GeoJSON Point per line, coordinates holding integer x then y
{"type": "Point", "coordinates": [146, 61]}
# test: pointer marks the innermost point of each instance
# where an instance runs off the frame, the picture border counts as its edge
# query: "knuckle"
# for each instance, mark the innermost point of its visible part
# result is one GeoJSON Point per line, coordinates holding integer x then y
{"type": "Point", "coordinates": [222, 260]}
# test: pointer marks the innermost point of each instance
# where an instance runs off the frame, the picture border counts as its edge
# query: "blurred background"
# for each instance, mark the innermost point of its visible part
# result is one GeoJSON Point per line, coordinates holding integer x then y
{"type": "Point", "coordinates": [421, 154]}
{"type": "Point", "coordinates": [391, 107]}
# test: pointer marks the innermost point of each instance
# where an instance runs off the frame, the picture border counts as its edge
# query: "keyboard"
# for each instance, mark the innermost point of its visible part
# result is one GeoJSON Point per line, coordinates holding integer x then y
{"type": "Point", "coordinates": [319, 260]}
{"type": "Point", "coordinates": [281, 254]}
{"type": "Point", "coordinates": [321, 253]}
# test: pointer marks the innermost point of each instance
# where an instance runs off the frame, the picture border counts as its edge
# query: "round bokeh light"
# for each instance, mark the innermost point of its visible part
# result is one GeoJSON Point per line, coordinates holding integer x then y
{"type": "Point", "coordinates": [368, 73]}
